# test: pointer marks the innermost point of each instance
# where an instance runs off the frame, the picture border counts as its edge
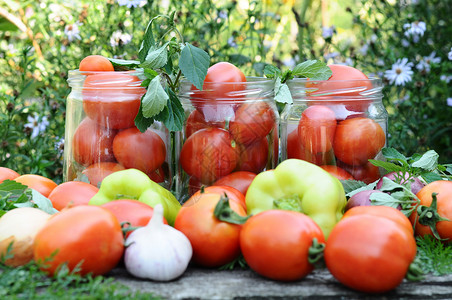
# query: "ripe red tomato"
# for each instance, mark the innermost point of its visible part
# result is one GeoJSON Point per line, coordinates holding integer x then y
{"type": "Point", "coordinates": [92, 143]}
{"type": "Point", "coordinates": [222, 82]}
{"type": "Point", "coordinates": [275, 243]}
{"type": "Point", "coordinates": [367, 173]}
{"type": "Point", "coordinates": [444, 208]}
{"type": "Point", "coordinates": [296, 150]}
{"type": "Point", "coordinates": [253, 121]}
{"type": "Point", "coordinates": [6, 173]}
{"type": "Point", "coordinates": [37, 182]}
{"type": "Point", "coordinates": [112, 99]}
{"type": "Point", "coordinates": [337, 172]}
{"type": "Point", "coordinates": [72, 193]}
{"type": "Point", "coordinates": [158, 175]}
{"type": "Point", "coordinates": [253, 157]}
{"type": "Point", "coordinates": [390, 213]}
{"type": "Point", "coordinates": [316, 129]}
{"type": "Point", "coordinates": [132, 211]}
{"type": "Point", "coordinates": [239, 180]}
{"type": "Point", "coordinates": [369, 253]}
{"type": "Point", "coordinates": [196, 121]}
{"type": "Point", "coordinates": [209, 154]}
{"type": "Point", "coordinates": [143, 151]}
{"type": "Point", "coordinates": [98, 171]}
{"type": "Point", "coordinates": [357, 140]}
{"type": "Point", "coordinates": [86, 234]}
{"type": "Point", "coordinates": [232, 193]}
{"type": "Point", "coordinates": [95, 63]}
{"type": "Point", "coordinates": [214, 242]}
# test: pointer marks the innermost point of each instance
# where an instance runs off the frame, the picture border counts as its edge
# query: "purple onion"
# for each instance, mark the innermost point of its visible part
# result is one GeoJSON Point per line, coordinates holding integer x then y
{"type": "Point", "coordinates": [360, 199]}
{"type": "Point", "coordinates": [416, 185]}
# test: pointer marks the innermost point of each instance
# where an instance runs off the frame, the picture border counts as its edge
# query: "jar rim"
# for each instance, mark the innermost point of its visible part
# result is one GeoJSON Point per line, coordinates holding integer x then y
{"type": "Point", "coordinates": [76, 79]}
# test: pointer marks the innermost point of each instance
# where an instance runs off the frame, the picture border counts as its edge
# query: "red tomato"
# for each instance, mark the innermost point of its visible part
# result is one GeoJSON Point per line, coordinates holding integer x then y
{"type": "Point", "coordinates": [253, 157]}
{"type": "Point", "coordinates": [37, 182]}
{"type": "Point", "coordinates": [95, 63]}
{"type": "Point", "coordinates": [296, 150]}
{"type": "Point", "coordinates": [357, 140]}
{"type": "Point", "coordinates": [316, 128]}
{"type": "Point", "coordinates": [337, 172]}
{"type": "Point", "coordinates": [232, 193]}
{"type": "Point", "coordinates": [86, 234]}
{"type": "Point", "coordinates": [72, 193]}
{"type": "Point", "coordinates": [390, 213]}
{"type": "Point", "coordinates": [369, 253]}
{"type": "Point", "coordinates": [158, 175]}
{"type": "Point", "coordinates": [92, 143]}
{"type": "Point", "coordinates": [98, 171]}
{"type": "Point", "coordinates": [143, 151]}
{"type": "Point", "coordinates": [196, 121]}
{"type": "Point", "coordinates": [6, 173]}
{"type": "Point", "coordinates": [209, 154]}
{"type": "Point", "coordinates": [222, 82]}
{"type": "Point", "coordinates": [132, 211]}
{"type": "Point", "coordinates": [252, 122]}
{"type": "Point", "coordinates": [367, 173]}
{"type": "Point", "coordinates": [112, 99]}
{"type": "Point", "coordinates": [275, 243]}
{"type": "Point", "coordinates": [239, 180]}
{"type": "Point", "coordinates": [214, 242]}
{"type": "Point", "coordinates": [444, 208]}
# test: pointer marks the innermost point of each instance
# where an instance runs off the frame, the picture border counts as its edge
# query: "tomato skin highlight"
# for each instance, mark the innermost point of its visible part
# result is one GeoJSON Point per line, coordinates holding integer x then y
{"type": "Point", "coordinates": [369, 253]}
{"type": "Point", "coordinates": [85, 233]}
{"type": "Point", "coordinates": [72, 193]}
{"type": "Point", "coordinates": [214, 242]}
{"type": "Point", "coordinates": [37, 182]}
{"type": "Point", "coordinates": [275, 244]}
{"type": "Point", "coordinates": [443, 189]}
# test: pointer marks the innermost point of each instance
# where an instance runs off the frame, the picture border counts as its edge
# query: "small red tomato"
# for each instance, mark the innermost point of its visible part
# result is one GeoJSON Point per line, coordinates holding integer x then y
{"type": "Point", "coordinates": [143, 151]}
{"type": "Point", "coordinates": [95, 63]}
{"type": "Point", "coordinates": [337, 172]}
{"type": "Point", "coordinates": [367, 173]}
{"type": "Point", "coordinates": [37, 182]}
{"type": "Point", "coordinates": [98, 171]}
{"type": "Point", "coordinates": [275, 244]}
{"type": "Point", "coordinates": [196, 121]}
{"type": "Point", "coordinates": [239, 180]}
{"type": "Point", "coordinates": [92, 143]}
{"type": "Point", "coordinates": [72, 193]}
{"type": "Point", "coordinates": [296, 150]}
{"type": "Point", "coordinates": [253, 157]}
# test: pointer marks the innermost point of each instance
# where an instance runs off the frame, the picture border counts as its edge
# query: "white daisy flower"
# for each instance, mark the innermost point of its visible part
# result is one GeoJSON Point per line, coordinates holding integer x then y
{"type": "Point", "coordinates": [415, 30]}
{"type": "Point", "coordinates": [400, 72]}
{"type": "Point", "coordinates": [449, 101]}
{"type": "Point", "coordinates": [449, 55]}
{"type": "Point", "coordinates": [222, 14]}
{"type": "Point", "coordinates": [427, 61]}
{"type": "Point", "coordinates": [37, 126]}
{"type": "Point", "coordinates": [231, 42]}
{"type": "Point", "coordinates": [119, 37]}
{"type": "Point", "coordinates": [131, 3]}
{"type": "Point", "coordinates": [72, 31]}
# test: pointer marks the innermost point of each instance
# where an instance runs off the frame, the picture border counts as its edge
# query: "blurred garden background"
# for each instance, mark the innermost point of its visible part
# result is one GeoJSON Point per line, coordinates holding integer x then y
{"type": "Point", "coordinates": [407, 43]}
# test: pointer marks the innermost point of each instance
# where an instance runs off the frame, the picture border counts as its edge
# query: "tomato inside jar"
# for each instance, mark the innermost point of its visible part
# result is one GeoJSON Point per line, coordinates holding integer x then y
{"type": "Point", "coordinates": [339, 124]}
{"type": "Point", "coordinates": [230, 128]}
{"type": "Point", "coordinates": [101, 136]}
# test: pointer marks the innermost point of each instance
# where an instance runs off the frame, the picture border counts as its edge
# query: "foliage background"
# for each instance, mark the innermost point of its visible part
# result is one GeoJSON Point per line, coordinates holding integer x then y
{"type": "Point", "coordinates": [41, 40]}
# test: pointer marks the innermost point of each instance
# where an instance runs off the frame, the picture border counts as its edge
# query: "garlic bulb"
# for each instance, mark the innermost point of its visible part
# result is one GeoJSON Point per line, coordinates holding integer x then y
{"type": "Point", "coordinates": [157, 251]}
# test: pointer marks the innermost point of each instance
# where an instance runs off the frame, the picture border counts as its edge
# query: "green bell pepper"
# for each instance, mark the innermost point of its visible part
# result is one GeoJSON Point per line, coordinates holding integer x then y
{"type": "Point", "coordinates": [134, 184]}
{"type": "Point", "coordinates": [300, 186]}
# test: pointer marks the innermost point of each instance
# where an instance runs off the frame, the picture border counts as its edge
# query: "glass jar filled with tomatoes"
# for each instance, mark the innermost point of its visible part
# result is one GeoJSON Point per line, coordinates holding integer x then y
{"type": "Point", "coordinates": [336, 124]}
{"type": "Point", "coordinates": [101, 136]}
{"type": "Point", "coordinates": [231, 129]}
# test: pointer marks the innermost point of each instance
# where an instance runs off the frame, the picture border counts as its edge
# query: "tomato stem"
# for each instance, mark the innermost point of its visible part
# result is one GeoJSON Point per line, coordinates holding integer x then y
{"type": "Point", "coordinates": [428, 216]}
{"type": "Point", "coordinates": [315, 254]}
{"type": "Point", "coordinates": [224, 212]}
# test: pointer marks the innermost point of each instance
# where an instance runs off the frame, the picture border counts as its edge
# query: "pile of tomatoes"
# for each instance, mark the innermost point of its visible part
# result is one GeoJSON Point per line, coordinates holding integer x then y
{"type": "Point", "coordinates": [106, 140]}
{"type": "Point", "coordinates": [227, 131]}
{"type": "Point", "coordinates": [334, 130]}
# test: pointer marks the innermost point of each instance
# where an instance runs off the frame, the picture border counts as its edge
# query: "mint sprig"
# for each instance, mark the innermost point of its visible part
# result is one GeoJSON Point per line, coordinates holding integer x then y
{"type": "Point", "coordinates": [312, 69]}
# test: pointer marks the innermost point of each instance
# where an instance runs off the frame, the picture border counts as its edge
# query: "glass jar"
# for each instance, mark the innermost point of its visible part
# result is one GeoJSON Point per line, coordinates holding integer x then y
{"type": "Point", "coordinates": [229, 127]}
{"type": "Point", "coordinates": [100, 134]}
{"type": "Point", "coordinates": [338, 125]}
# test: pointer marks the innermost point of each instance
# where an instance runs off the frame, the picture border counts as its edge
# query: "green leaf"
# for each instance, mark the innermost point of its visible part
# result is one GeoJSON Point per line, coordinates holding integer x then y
{"type": "Point", "coordinates": [6, 25]}
{"type": "Point", "coordinates": [271, 71]}
{"type": "Point", "coordinates": [173, 114]}
{"type": "Point", "coordinates": [352, 185]}
{"type": "Point", "coordinates": [312, 69]}
{"type": "Point", "coordinates": [148, 41]}
{"type": "Point", "coordinates": [431, 176]}
{"type": "Point", "coordinates": [388, 166]}
{"type": "Point", "coordinates": [156, 58]}
{"type": "Point", "coordinates": [393, 154]}
{"type": "Point", "coordinates": [43, 203]}
{"type": "Point", "coordinates": [389, 185]}
{"type": "Point", "coordinates": [434, 255]}
{"type": "Point", "coordinates": [383, 199]}
{"type": "Point", "coordinates": [194, 63]}
{"type": "Point", "coordinates": [155, 99]}
{"type": "Point", "coordinates": [124, 65]}
{"type": "Point", "coordinates": [428, 161]}
{"type": "Point", "coordinates": [282, 92]}
{"type": "Point", "coordinates": [141, 122]}
{"type": "Point", "coordinates": [448, 168]}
